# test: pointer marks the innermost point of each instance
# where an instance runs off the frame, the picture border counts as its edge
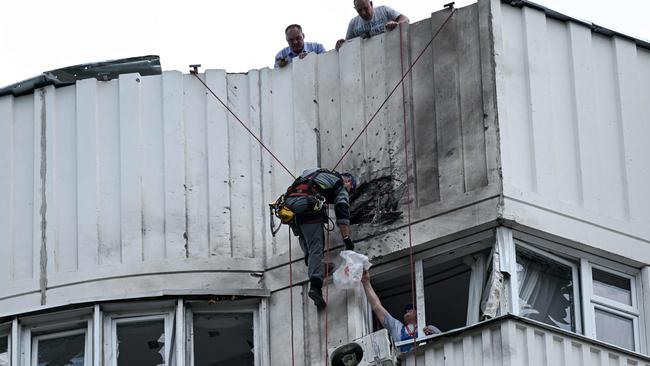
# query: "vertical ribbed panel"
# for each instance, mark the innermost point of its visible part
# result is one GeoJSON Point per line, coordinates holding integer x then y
{"type": "Point", "coordinates": [148, 176]}
{"type": "Point", "coordinates": [513, 343]}
{"type": "Point", "coordinates": [573, 123]}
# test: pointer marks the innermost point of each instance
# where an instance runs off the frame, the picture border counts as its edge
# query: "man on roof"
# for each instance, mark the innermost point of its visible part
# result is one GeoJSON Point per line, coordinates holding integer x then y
{"type": "Point", "coordinates": [307, 197]}
{"type": "Point", "coordinates": [398, 331]}
{"type": "Point", "coordinates": [371, 21]}
{"type": "Point", "coordinates": [297, 46]}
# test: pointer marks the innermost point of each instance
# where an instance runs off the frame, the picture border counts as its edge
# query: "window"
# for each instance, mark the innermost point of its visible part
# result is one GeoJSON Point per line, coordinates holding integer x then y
{"type": "Point", "coordinates": [223, 334]}
{"type": "Point", "coordinates": [612, 300]}
{"type": "Point", "coordinates": [446, 293]}
{"type": "Point", "coordinates": [448, 281]}
{"type": "Point", "coordinates": [223, 339]}
{"type": "Point", "coordinates": [4, 350]}
{"type": "Point", "coordinates": [57, 339]}
{"type": "Point", "coordinates": [140, 341]}
{"type": "Point", "coordinates": [139, 334]}
{"type": "Point", "coordinates": [60, 349]}
{"type": "Point", "coordinates": [546, 288]}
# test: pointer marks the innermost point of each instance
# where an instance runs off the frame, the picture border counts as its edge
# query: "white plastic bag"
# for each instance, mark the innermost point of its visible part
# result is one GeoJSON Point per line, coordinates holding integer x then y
{"type": "Point", "coordinates": [349, 273]}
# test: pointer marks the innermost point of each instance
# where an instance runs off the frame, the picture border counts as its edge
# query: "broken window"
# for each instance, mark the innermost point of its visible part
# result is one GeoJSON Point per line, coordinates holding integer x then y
{"type": "Point", "coordinates": [546, 288]}
{"type": "Point", "coordinates": [222, 339]}
{"type": "Point", "coordinates": [4, 351]}
{"type": "Point", "coordinates": [60, 349]}
{"type": "Point", "coordinates": [140, 342]}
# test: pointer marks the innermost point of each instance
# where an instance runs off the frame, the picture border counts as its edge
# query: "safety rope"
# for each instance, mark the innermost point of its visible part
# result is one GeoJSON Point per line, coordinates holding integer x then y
{"type": "Point", "coordinates": [293, 357]}
{"type": "Point", "coordinates": [408, 195]}
{"type": "Point", "coordinates": [242, 123]}
{"type": "Point", "coordinates": [394, 88]}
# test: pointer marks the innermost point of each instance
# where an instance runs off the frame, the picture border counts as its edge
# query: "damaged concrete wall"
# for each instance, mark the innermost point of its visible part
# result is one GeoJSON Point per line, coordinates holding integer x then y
{"type": "Point", "coordinates": [146, 186]}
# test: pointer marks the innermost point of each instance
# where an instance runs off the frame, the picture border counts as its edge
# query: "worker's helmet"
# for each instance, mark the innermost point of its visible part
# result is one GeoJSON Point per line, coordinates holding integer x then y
{"type": "Point", "coordinates": [353, 179]}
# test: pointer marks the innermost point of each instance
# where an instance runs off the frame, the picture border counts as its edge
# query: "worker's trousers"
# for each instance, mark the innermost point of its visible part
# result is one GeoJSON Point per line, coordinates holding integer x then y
{"type": "Point", "coordinates": [312, 238]}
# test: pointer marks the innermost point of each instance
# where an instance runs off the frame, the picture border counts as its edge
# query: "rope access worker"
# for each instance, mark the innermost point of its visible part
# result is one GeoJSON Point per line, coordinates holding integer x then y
{"type": "Point", "coordinates": [307, 198]}
{"type": "Point", "coordinates": [398, 331]}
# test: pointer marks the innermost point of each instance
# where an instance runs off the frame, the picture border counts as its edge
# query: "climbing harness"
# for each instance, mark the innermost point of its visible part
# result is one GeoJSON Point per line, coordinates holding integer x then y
{"type": "Point", "coordinates": [304, 187]}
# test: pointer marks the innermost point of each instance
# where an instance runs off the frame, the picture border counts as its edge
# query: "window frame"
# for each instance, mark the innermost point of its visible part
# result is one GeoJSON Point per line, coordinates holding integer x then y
{"type": "Point", "coordinates": [88, 349]}
{"type": "Point", "coordinates": [38, 326]}
{"type": "Point", "coordinates": [456, 249]}
{"type": "Point", "coordinates": [575, 279]}
{"type": "Point", "coordinates": [253, 306]}
{"type": "Point", "coordinates": [592, 302]}
{"type": "Point", "coordinates": [589, 257]}
{"type": "Point", "coordinates": [158, 311]}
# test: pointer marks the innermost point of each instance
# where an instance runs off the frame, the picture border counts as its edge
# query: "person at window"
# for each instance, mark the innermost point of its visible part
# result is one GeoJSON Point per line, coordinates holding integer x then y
{"type": "Point", "coordinates": [371, 21]}
{"type": "Point", "coordinates": [398, 331]}
{"type": "Point", "coordinates": [307, 197]}
{"type": "Point", "coordinates": [297, 46]}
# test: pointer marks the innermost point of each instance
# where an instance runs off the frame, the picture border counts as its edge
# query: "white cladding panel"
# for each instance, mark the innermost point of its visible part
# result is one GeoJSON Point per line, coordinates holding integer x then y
{"type": "Point", "coordinates": [512, 342]}
{"type": "Point", "coordinates": [574, 119]}
{"type": "Point", "coordinates": [141, 180]}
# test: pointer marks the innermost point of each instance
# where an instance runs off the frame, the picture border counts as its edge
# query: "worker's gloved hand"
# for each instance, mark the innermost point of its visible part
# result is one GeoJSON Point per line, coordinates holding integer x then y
{"type": "Point", "coordinates": [349, 245]}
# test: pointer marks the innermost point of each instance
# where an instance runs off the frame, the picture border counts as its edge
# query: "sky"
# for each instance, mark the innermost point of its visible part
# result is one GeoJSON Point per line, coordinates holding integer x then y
{"type": "Point", "coordinates": [42, 35]}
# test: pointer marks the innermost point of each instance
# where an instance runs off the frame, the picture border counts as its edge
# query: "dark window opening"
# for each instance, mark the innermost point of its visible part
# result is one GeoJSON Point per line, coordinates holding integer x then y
{"type": "Point", "coordinates": [141, 343]}
{"type": "Point", "coordinates": [223, 339]}
{"type": "Point", "coordinates": [62, 351]}
{"type": "Point", "coordinates": [4, 351]}
{"type": "Point", "coordinates": [394, 292]}
{"type": "Point", "coordinates": [446, 293]}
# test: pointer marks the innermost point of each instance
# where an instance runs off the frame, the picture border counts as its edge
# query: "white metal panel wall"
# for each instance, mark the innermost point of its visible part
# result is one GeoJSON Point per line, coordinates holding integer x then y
{"type": "Point", "coordinates": [119, 189]}
{"type": "Point", "coordinates": [574, 117]}
{"type": "Point", "coordinates": [514, 343]}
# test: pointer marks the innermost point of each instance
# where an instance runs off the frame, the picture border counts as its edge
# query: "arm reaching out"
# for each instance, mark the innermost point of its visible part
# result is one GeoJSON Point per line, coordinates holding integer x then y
{"type": "Point", "coordinates": [377, 308]}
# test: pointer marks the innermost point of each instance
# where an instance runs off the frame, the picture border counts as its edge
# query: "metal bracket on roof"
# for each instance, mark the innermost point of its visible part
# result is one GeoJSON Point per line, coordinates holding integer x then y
{"type": "Point", "coordinates": [195, 68]}
{"type": "Point", "coordinates": [449, 5]}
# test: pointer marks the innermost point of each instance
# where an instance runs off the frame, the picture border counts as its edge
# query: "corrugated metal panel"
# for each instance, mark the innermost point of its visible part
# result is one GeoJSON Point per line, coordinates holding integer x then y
{"type": "Point", "coordinates": [147, 176]}
{"type": "Point", "coordinates": [514, 342]}
{"type": "Point", "coordinates": [573, 118]}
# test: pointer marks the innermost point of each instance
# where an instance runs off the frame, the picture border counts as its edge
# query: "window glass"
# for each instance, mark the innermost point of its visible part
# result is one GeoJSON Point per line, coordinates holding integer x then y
{"type": "Point", "coordinates": [223, 339]}
{"type": "Point", "coordinates": [141, 343]}
{"type": "Point", "coordinates": [62, 351]}
{"type": "Point", "coordinates": [446, 293]}
{"type": "Point", "coordinates": [614, 329]}
{"type": "Point", "coordinates": [545, 290]}
{"type": "Point", "coordinates": [611, 286]}
{"type": "Point", "coordinates": [4, 351]}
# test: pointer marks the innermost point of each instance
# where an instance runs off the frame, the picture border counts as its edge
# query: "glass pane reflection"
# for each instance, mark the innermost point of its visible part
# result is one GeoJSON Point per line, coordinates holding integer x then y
{"type": "Point", "coordinates": [614, 329]}
{"type": "Point", "coordinates": [62, 351]}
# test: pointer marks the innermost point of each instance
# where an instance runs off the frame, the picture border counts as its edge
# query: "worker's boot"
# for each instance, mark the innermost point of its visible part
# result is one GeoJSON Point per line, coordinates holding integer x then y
{"type": "Point", "coordinates": [316, 294]}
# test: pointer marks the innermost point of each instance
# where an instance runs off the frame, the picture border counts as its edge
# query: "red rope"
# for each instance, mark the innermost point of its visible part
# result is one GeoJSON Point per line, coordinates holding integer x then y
{"type": "Point", "coordinates": [395, 88]}
{"type": "Point", "coordinates": [408, 193]}
{"type": "Point", "coordinates": [242, 123]}
{"type": "Point", "coordinates": [293, 358]}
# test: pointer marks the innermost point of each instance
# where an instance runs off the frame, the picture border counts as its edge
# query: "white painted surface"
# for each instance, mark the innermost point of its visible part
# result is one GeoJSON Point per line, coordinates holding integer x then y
{"type": "Point", "coordinates": [574, 118]}
{"type": "Point", "coordinates": [513, 342]}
